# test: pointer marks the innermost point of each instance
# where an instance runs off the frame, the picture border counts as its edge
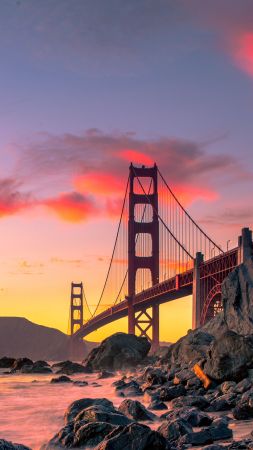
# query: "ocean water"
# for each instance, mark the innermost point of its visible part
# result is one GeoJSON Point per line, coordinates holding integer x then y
{"type": "Point", "coordinates": [32, 409]}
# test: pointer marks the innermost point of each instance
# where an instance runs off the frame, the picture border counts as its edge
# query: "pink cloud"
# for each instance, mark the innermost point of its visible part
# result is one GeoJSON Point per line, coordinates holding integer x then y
{"type": "Point", "coordinates": [72, 207]}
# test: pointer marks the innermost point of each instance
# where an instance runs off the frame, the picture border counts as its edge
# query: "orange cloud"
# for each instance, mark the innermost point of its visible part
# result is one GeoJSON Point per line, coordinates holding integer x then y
{"type": "Point", "coordinates": [99, 183]}
{"type": "Point", "coordinates": [72, 207]}
{"type": "Point", "coordinates": [187, 194]}
{"type": "Point", "coordinates": [11, 199]}
{"type": "Point", "coordinates": [135, 157]}
{"type": "Point", "coordinates": [243, 52]}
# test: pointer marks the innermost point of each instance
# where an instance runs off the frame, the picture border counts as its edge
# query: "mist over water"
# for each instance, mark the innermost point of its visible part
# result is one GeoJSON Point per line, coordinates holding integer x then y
{"type": "Point", "coordinates": [31, 412]}
{"type": "Point", "coordinates": [32, 409]}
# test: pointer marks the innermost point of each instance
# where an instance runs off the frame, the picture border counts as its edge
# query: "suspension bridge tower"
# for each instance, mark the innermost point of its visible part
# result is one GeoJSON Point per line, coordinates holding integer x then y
{"type": "Point", "coordinates": [76, 307]}
{"type": "Point", "coordinates": [143, 320]}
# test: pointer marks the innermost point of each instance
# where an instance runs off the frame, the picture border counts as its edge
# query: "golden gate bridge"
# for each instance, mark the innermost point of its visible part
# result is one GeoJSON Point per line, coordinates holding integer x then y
{"type": "Point", "coordinates": [160, 254]}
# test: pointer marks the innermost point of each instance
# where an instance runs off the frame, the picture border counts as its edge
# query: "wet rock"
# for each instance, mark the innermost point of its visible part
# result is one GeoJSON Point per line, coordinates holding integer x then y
{"type": "Point", "coordinates": [183, 376]}
{"type": "Point", "coordinates": [244, 385]}
{"type": "Point", "coordinates": [219, 430]}
{"type": "Point", "coordinates": [6, 362]}
{"type": "Point", "coordinates": [78, 405]}
{"type": "Point", "coordinates": [197, 438]}
{"type": "Point", "coordinates": [228, 387]}
{"type": "Point", "coordinates": [62, 379]}
{"type": "Point", "coordinates": [190, 400]}
{"type": "Point", "coordinates": [222, 403]}
{"type": "Point", "coordinates": [118, 351]}
{"type": "Point", "coordinates": [157, 405]}
{"type": "Point", "coordinates": [20, 362]}
{"type": "Point", "coordinates": [154, 376]}
{"type": "Point", "coordinates": [193, 384]}
{"type": "Point", "coordinates": [135, 410]}
{"type": "Point", "coordinates": [173, 430]}
{"type": "Point", "coordinates": [244, 444]}
{"type": "Point", "coordinates": [192, 347]}
{"type": "Point", "coordinates": [69, 368]}
{"type": "Point", "coordinates": [91, 434]}
{"type": "Point", "coordinates": [244, 408]}
{"type": "Point", "coordinates": [105, 374]}
{"type": "Point", "coordinates": [229, 357]}
{"type": "Point", "coordinates": [237, 295]}
{"type": "Point", "coordinates": [80, 383]}
{"type": "Point", "coordinates": [169, 393]}
{"type": "Point", "coordinates": [7, 445]}
{"type": "Point", "coordinates": [193, 416]}
{"type": "Point", "coordinates": [131, 389]}
{"type": "Point", "coordinates": [134, 436]}
{"type": "Point", "coordinates": [100, 413]}
{"type": "Point", "coordinates": [35, 368]}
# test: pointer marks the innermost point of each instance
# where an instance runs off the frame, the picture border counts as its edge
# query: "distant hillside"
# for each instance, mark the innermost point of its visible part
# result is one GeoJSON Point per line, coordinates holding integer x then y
{"type": "Point", "coordinates": [19, 337]}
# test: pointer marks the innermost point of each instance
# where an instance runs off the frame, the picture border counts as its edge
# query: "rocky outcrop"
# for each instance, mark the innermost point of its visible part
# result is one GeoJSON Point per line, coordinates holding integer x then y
{"type": "Point", "coordinates": [229, 357]}
{"type": "Point", "coordinates": [6, 445]}
{"type": "Point", "coordinates": [118, 351]}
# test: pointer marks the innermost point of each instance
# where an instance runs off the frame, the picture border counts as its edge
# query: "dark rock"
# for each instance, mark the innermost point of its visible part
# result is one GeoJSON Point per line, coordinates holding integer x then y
{"type": "Point", "coordinates": [41, 363]}
{"type": "Point", "coordinates": [154, 376]}
{"type": "Point", "coordinates": [192, 347]}
{"type": "Point", "coordinates": [78, 405]}
{"type": "Point", "coordinates": [222, 403]}
{"type": "Point", "coordinates": [169, 393]}
{"type": "Point", "coordinates": [80, 383]}
{"type": "Point", "coordinates": [183, 376]}
{"type": "Point", "coordinates": [190, 400]}
{"type": "Point", "coordinates": [229, 357]}
{"type": "Point", "coordinates": [35, 369]}
{"type": "Point", "coordinates": [100, 413]}
{"type": "Point", "coordinates": [131, 389]}
{"type": "Point", "coordinates": [228, 387]}
{"type": "Point", "coordinates": [193, 416]}
{"type": "Point", "coordinates": [157, 405]}
{"type": "Point", "coordinates": [197, 438]}
{"type": "Point", "coordinates": [219, 430]}
{"type": "Point", "coordinates": [91, 434]}
{"type": "Point", "coordinates": [193, 384]}
{"type": "Point", "coordinates": [134, 437]}
{"type": "Point", "coordinates": [105, 374]}
{"type": "Point", "coordinates": [20, 362]}
{"type": "Point", "coordinates": [173, 430]}
{"type": "Point", "coordinates": [6, 362]}
{"type": "Point", "coordinates": [7, 445]}
{"type": "Point", "coordinates": [118, 351]}
{"type": "Point", "coordinates": [244, 385]}
{"type": "Point", "coordinates": [245, 444]}
{"type": "Point", "coordinates": [237, 295]}
{"type": "Point", "coordinates": [244, 408]}
{"type": "Point", "coordinates": [62, 379]}
{"type": "Point", "coordinates": [135, 410]}
{"type": "Point", "coordinates": [69, 368]}
{"type": "Point", "coordinates": [64, 438]}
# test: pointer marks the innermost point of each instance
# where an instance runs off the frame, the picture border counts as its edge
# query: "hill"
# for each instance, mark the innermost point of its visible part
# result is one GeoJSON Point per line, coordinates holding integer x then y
{"type": "Point", "coordinates": [19, 337]}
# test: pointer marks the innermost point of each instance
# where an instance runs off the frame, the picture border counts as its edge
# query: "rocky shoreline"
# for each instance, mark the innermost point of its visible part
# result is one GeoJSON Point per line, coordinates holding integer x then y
{"type": "Point", "coordinates": [190, 396]}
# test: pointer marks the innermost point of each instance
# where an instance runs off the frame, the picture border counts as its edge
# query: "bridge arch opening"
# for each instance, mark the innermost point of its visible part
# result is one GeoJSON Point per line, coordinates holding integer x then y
{"type": "Point", "coordinates": [143, 279]}
{"type": "Point", "coordinates": [143, 212]}
{"type": "Point", "coordinates": [147, 183]}
{"type": "Point", "coordinates": [143, 246]}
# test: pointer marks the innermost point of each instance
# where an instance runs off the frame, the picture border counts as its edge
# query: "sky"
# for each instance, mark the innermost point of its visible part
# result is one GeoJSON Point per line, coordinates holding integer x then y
{"type": "Point", "coordinates": [86, 87]}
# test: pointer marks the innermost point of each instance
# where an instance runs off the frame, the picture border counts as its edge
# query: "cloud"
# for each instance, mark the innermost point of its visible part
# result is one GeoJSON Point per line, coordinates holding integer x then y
{"type": "Point", "coordinates": [12, 200]}
{"type": "Point", "coordinates": [79, 177]}
{"type": "Point", "coordinates": [234, 217]}
{"type": "Point", "coordinates": [72, 207]}
{"type": "Point", "coordinates": [230, 22]}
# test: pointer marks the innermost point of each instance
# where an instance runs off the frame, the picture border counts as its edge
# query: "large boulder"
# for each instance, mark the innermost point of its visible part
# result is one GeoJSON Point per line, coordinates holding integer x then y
{"type": "Point", "coordinates": [190, 348]}
{"type": "Point", "coordinates": [78, 405]}
{"type": "Point", "coordinates": [237, 297]}
{"type": "Point", "coordinates": [118, 351]}
{"type": "Point", "coordinates": [134, 436]}
{"type": "Point", "coordinates": [229, 357]}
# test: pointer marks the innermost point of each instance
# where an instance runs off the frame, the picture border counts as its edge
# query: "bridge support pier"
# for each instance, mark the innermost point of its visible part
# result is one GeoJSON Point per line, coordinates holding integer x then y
{"type": "Point", "coordinates": [196, 296]}
{"type": "Point", "coordinates": [143, 321]}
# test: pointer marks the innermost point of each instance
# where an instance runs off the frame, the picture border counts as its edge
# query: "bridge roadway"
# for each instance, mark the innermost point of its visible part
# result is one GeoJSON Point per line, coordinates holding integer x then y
{"type": "Point", "coordinates": [174, 288]}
